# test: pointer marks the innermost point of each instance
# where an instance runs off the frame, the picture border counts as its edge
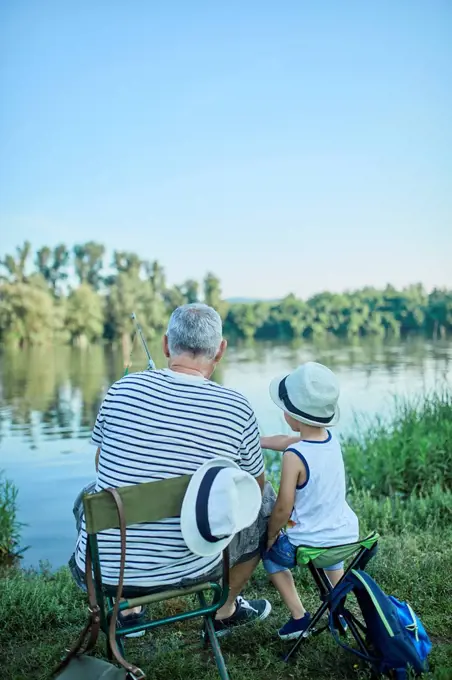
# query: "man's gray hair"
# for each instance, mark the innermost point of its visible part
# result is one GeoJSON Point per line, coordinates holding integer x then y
{"type": "Point", "coordinates": [195, 329]}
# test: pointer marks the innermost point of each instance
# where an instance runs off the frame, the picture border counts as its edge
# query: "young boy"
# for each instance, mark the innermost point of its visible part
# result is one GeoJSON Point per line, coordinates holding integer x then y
{"type": "Point", "coordinates": [311, 503]}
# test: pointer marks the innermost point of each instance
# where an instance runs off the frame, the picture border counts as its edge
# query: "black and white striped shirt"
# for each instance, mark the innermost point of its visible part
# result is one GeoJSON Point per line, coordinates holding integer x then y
{"type": "Point", "coordinates": [154, 425]}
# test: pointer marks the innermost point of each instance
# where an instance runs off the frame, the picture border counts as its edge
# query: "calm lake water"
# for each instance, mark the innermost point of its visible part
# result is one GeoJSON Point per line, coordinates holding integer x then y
{"type": "Point", "coordinates": [49, 400]}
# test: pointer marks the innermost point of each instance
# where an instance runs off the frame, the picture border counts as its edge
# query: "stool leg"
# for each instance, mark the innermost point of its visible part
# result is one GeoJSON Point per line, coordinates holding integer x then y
{"type": "Point", "coordinates": [317, 616]}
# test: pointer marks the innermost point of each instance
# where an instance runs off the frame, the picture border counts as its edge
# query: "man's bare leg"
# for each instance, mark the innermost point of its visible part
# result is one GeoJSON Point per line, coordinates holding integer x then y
{"type": "Point", "coordinates": [239, 576]}
{"type": "Point", "coordinates": [134, 610]}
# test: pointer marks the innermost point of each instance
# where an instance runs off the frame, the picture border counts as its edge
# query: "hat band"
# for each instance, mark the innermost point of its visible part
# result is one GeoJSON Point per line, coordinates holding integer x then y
{"type": "Point", "coordinates": [202, 500]}
{"type": "Point", "coordinates": [282, 394]}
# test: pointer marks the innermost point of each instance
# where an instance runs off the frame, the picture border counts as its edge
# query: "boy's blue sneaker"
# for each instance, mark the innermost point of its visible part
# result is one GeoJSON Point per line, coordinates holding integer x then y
{"type": "Point", "coordinates": [294, 627]}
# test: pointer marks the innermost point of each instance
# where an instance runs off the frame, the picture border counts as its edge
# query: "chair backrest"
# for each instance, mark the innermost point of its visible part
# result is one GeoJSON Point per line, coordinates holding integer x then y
{"type": "Point", "coordinates": [147, 502]}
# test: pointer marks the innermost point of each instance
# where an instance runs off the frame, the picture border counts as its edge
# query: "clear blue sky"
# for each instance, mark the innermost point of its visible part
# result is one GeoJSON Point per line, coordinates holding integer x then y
{"type": "Point", "coordinates": [287, 146]}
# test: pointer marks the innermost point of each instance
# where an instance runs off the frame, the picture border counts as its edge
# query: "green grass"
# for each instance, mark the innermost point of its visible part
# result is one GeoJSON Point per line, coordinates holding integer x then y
{"type": "Point", "coordinates": [41, 613]}
{"type": "Point", "coordinates": [399, 485]}
{"type": "Point", "coordinates": [410, 452]}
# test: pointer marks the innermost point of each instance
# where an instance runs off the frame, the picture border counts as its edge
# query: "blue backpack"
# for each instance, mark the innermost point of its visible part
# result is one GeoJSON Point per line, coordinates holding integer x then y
{"type": "Point", "coordinates": [394, 633]}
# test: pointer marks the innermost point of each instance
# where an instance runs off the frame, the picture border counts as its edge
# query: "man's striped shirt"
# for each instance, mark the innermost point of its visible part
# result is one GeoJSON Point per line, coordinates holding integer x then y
{"type": "Point", "coordinates": [159, 424]}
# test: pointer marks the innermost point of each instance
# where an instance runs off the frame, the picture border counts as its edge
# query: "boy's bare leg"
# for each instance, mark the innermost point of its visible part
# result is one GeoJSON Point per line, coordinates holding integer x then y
{"type": "Point", "coordinates": [285, 585]}
{"type": "Point", "coordinates": [334, 575]}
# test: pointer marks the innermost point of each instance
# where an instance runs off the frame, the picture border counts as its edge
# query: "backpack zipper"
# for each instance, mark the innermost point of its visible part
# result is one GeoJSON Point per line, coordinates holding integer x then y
{"type": "Point", "coordinates": [413, 626]}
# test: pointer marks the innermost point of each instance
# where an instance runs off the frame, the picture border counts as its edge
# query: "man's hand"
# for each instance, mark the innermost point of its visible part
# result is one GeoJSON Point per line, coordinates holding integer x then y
{"type": "Point", "coordinates": [272, 540]}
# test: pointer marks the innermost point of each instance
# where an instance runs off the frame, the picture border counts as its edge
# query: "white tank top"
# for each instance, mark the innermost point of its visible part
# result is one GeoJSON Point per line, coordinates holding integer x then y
{"type": "Point", "coordinates": [321, 516]}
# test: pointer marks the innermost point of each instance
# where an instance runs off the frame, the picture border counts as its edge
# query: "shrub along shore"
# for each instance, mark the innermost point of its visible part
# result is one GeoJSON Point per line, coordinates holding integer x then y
{"type": "Point", "coordinates": [75, 295]}
{"type": "Point", "coordinates": [400, 484]}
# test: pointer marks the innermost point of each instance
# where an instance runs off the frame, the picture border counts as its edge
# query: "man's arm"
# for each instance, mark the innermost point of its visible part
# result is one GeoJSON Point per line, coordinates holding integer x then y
{"type": "Point", "coordinates": [261, 481]}
{"type": "Point", "coordinates": [292, 471]}
{"type": "Point", "coordinates": [98, 429]}
{"type": "Point", "coordinates": [251, 458]}
{"type": "Point", "coordinates": [279, 442]}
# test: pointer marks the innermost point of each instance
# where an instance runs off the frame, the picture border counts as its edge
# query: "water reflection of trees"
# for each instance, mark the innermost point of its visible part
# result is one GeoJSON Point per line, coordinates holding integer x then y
{"type": "Point", "coordinates": [58, 392]}
{"type": "Point", "coordinates": [366, 354]}
{"type": "Point", "coordinates": [61, 387]}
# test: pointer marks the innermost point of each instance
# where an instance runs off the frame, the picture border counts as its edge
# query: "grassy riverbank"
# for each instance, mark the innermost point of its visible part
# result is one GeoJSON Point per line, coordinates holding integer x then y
{"type": "Point", "coordinates": [399, 486]}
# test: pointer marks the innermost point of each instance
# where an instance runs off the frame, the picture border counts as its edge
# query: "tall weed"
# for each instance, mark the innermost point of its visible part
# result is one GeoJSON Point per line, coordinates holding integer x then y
{"type": "Point", "coordinates": [397, 514]}
{"type": "Point", "coordinates": [9, 525]}
{"type": "Point", "coordinates": [410, 452]}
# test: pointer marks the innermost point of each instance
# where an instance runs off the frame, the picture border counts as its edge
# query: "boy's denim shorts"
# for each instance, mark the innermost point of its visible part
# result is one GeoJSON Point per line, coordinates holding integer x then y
{"type": "Point", "coordinates": [283, 555]}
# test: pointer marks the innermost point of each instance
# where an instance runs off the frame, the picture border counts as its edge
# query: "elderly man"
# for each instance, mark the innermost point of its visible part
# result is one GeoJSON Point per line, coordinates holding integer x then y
{"type": "Point", "coordinates": [158, 424]}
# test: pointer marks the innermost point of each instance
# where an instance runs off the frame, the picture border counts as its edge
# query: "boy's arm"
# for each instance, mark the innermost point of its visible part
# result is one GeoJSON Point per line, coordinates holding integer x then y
{"type": "Point", "coordinates": [279, 442]}
{"type": "Point", "coordinates": [293, 470]}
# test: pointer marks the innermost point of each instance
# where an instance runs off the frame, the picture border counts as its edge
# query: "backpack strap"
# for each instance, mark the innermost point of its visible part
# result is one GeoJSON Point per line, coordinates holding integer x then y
{"type": "Point", "coordinates": [337, 601]}
{"type": "Point", "coordinates": [335, 634]}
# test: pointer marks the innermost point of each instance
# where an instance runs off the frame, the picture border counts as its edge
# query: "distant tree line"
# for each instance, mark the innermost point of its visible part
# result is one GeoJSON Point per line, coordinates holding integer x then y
{"type": "Point", "coordinates": [64, 295]}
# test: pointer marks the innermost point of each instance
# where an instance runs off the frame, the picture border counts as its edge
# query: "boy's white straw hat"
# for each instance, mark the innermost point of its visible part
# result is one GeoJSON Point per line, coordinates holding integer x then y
{"type": "Point", "coordinates": [309, 394]}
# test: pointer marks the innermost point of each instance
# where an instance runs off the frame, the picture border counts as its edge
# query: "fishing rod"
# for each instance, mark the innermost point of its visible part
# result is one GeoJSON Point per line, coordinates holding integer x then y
{"type": "Point", "coordinates": [138, 331]}
{"type": "Point", "coordinates": [151, 365]}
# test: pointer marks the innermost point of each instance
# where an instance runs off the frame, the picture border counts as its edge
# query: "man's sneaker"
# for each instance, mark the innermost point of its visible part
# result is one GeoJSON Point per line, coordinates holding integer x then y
{"type": "Point", "coordinates": [294, 628]}
{"type": "Point", "coordinates": [246, 611]}
{"type": "Point", "coordinates": [131, 620]}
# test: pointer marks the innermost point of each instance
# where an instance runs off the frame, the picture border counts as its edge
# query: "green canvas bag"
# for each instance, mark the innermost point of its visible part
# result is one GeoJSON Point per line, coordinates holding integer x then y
{"type": "Point", "coordinates": [77, 665]}
{"type": "Point", "coordinates": [89, 668]}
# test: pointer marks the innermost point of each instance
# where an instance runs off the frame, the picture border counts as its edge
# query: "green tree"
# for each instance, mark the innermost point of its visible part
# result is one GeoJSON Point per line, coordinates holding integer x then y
{"type": "Point", "coordinates": [34, 306]}
{"type": "Point", "coordinates": [212, 294]}
{"type": "Point", "coordinates": [84, 315]}
{"type": "Point", "coordinates": [190, 290]}
{"type": "Point", "coordinates": [244, 320]}
{"type": "Point", "coordinates": [28, 315]}
{"type": "Point", "coordinates": [126, 262]}
{"type": "Point", "coordinates": [173, 298]}
{"type": "Point", "coordinates": [15, 266]}
{"type": "Point", "coordinates": [156, 274]}
{"type": "Point", "coordinates": [439, 313]}
{"type": "Point", "coordinates": [134, 288]}
{"type": "Point", "coordinates": [52, 265]}
{"type": "Point", "coordinates": [88, 263]}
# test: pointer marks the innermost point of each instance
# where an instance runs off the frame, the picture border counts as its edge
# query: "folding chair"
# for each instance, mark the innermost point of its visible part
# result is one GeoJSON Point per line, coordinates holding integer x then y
{"type": "Point", "coordinates": [317, 559]}
{"type": "Point", "coordinates": [151, 502]}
